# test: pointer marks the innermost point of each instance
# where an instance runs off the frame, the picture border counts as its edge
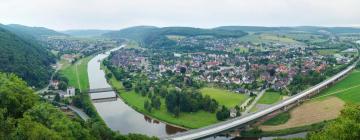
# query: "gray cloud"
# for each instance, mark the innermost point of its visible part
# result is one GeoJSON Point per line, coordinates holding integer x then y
{"type": "Point", "coordinates": [115, 14]}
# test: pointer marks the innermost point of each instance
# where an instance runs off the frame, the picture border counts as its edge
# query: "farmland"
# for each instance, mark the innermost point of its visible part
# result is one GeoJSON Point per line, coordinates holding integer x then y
{"type": "Point", "coordinates": [308, 113]}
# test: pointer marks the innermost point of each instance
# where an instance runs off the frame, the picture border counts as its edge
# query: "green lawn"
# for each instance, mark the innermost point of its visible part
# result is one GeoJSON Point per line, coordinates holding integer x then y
{"type": "Point", "coordinates": [348, 89]}
{"type": "Point", "coordinates": [187, 120]}
{"type": "Point", "coordinates": [270, 98]}
{"type": "Point", "coordinates": [77, 73]}
{"type": "Point", "coordinates": [224, 97]}
{"type": "Point", "coordinates": [279, 119]}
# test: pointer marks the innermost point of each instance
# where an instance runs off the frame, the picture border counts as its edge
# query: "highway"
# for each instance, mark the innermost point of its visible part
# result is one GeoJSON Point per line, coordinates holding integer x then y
{"type": "Point", "coordinates": [229, 124]}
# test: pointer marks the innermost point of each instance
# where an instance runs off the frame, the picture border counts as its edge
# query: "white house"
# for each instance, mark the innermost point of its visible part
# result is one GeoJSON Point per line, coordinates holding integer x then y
{"type": "Point", "coordinates": [70, 91]}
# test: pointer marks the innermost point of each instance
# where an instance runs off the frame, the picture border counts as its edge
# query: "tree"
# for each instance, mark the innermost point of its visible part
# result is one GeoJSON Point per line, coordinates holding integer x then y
{"type": "Point", "coordinates": [57, 98]}
{"type": "Point", "coordinates": [177, 111]}
{"type": "Point", "coordinates": [109, 75]}
{"type": "Point", "coordinates": [183, 70]}
{"type": "Point", "coordinates": [155, 102]}
{"type": "Point", "coordinates": [62, 86]}
{"type": "Point", "coordinates": [163, 91]}
{"type": "Point", "coordinates": [127, 85]}
{"type": "Point", "coordinates": [147, 106]}
{"type": "Point", "coordinates": [223, 114]}
{"type": "Point", "coordinates": [16, 97]}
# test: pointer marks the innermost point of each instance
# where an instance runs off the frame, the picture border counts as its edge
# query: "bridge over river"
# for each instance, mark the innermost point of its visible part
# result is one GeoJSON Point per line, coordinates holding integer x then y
{"type": "Point", "coordinates": [261, 115]}
{"type": "Point", "coordinates": [102, 94]}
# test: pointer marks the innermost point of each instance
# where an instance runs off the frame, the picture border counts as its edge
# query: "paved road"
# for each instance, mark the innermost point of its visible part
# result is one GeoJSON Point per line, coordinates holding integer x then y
{"type": "Point", "coordinates": [58, 67]}
{"type": "Point", "coordinates": [226, 125]}
{"type": "Point", "coordinates": [79, 112]}
{"type": "Point", "coordinates": [257, 98]}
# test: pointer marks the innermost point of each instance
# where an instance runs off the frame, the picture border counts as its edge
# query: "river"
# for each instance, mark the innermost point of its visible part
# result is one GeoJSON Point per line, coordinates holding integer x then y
{"type": "Point", "coordinates": [118, 115]}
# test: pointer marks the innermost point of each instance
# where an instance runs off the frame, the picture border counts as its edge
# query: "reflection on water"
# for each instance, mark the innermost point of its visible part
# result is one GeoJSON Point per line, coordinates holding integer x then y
{"type": "Point", "coordinates": [118, 115]}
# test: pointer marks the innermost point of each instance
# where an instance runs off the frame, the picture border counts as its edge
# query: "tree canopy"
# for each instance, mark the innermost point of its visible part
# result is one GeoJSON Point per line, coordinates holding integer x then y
{"type": "Point", "coordinates": [25, 58]}
{"type": "Point", "coordinates": [23, 116]}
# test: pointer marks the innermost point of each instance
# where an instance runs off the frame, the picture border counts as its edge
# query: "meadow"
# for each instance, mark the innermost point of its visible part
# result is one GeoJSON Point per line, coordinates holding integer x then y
{"type": "Point", "coordinates": [77, 73]}
{"type": "Point", "coordinates": [224, 97]}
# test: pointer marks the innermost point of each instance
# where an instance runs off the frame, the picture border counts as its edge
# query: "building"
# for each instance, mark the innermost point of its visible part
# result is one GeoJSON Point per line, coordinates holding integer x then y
{"type": "Point", "coordinates": [69, 93]}
{"type": "Point", "coordinates": [233, 113]}
{"type": "Point", "coordinates": [55, 84]}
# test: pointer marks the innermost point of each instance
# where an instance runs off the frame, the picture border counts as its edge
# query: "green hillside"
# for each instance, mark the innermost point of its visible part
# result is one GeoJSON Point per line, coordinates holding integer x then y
{"type": "Point", "coordinates": [150, 36]}
{"type": "Point", "coordinates": [24, 58]}
{"type": "Point", "coordinates": [36, 32]}
{"type": "Point", "coordinates": [86, 33]}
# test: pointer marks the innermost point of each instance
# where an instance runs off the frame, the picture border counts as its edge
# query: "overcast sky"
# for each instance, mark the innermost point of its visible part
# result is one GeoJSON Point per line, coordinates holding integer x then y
{"type": "Point", "coordinates": [117, 14]}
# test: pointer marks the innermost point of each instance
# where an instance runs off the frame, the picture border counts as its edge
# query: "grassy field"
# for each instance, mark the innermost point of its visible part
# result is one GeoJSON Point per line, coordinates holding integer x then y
{"type": "Point", "coordinates": [327, 51]}
{"type": "Point", "coordinates": [224, 97]}
{"type": "Point", "coordinates": [132, 45]}
{"type": "Point", "coordinates": [77, 73]}
{"type": "Point", "coordinates": [348, 89]}
{"type": "Point", "coordinates": [175, 37]}
{"type": "Point", "coordinates": [267, 38]}
{"type": "Point", "coordinates": [186, 120]}
{"type": "Point", "coordinates": [270, 98]}
{"type": "Point", "coordinates": [280, 119]}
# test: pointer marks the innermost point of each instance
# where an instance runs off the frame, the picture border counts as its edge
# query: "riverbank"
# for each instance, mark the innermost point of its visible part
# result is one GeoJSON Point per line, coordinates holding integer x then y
{"type": "Point", "coordinates": [185, 120]}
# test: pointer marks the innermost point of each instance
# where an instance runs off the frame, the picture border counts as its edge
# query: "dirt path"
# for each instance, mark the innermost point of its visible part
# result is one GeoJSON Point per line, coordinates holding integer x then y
{"type": "Point", "coordinates": [311, 112]}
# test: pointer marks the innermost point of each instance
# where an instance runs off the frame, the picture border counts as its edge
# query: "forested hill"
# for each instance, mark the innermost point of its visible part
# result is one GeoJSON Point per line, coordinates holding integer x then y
{"type": "Point", "coordinates": [86, 33]}
{"type": "Point", "coordinates": [311, 29]}
{"type": "Point", "coordinates": [137, 33]}
{"type": "Point", "coordinates": [25, 58]}
{"type": "Point", "coordinates": [150, 36]}
{"type": "Point", "coordinates": [37, 32]}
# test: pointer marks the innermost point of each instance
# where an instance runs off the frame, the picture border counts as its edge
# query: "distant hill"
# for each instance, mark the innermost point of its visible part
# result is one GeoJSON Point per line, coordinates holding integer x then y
{"type": "Point", "coordinates": [137, 33]}
{"type": "Point", "coordinates": [151, 36]}
{"type": "Point", "coordinates": [311, 29]}
{"type": "Point", "coordinates": [251, 28]}
{"type": "Point", "coordinates": [86, 33]}
{"type": "Point", "coordinates": [35, 32]}
{"type": "Point", "coordinates": [25, 58]}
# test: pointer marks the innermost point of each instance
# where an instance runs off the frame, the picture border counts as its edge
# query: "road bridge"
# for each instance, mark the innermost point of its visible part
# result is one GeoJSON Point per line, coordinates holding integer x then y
{"type": "Point", "coordinates": [250, 118]}
{"type": "Point", "coordinates": [102, 94]}
{"type": "Point", "coordinates": [98, 90]}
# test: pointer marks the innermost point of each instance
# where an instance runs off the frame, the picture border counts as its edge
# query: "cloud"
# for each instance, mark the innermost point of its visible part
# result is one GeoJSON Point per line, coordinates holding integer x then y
{"type": "Point", "coordinates": [115, 14]}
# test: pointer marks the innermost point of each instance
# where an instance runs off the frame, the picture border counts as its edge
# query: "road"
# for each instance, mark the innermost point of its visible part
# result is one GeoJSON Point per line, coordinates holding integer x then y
{"type": "Point", "coordinates": [79, 112]}
{"type": "Point", "coordinates": [257, 98]}
{"type": "Point", "coordinates": [58, 67]}
{"type": "Point", "coordinates": [229, 124]}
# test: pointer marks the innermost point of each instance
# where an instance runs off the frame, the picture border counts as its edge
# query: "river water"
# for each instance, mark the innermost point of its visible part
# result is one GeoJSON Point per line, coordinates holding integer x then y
{"type": "Point", "coordinates": [118, 115]}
